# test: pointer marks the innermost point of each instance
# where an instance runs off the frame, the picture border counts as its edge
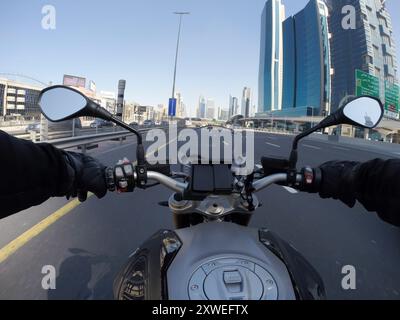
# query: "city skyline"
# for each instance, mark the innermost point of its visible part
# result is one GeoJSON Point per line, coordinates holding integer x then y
{"type": "Point", "coordinates": [146, 49]}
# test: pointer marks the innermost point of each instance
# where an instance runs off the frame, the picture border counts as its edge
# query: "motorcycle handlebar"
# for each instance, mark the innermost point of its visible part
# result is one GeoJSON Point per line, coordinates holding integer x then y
{"type": "Point", "coordinates": [161, 173]}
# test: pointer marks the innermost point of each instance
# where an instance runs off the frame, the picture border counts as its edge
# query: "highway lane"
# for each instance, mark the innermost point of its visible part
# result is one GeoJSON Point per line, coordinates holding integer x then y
{"type": "Point", "coordinates": [88, 245]}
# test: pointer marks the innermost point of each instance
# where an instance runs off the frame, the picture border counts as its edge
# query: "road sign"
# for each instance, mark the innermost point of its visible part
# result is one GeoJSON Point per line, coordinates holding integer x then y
{"type": "Point", "coordinates": [367, 84]}
{"type": "Point", "coordinates": [392, 98]}
{"type": "Point", "coordinates": [172, 107]}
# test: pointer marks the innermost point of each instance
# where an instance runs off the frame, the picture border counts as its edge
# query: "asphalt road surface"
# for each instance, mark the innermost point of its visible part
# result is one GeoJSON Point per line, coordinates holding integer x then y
{"type": "Point", "coordinates": [89, 243]}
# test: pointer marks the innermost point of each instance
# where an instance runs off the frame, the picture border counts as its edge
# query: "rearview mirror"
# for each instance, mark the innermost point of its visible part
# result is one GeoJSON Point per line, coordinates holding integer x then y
{"type": "Point", "coordinates": [364, 111]}
{"type": "Point", "coordinates": [61, 103]}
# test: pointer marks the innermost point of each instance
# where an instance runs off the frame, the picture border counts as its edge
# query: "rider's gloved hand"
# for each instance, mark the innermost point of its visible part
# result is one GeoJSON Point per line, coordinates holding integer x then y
{"type": "Point", "coordinates": [337, 181]}
{"type": "Point", "coordinates": [86, 174]}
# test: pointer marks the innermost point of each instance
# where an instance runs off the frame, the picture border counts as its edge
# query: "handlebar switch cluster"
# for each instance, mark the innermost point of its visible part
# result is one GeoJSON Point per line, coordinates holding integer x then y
{"type": "Point", "coordinates": [311, 179]}
{"type": "Point", "coordinates": [124, 174]}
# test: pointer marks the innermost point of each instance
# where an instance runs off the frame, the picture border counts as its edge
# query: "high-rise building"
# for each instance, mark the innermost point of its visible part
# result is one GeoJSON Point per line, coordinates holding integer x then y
{"type": "Point", "coordinates": [271, 57]}
{"type": "Point", "coordinates": [161, 113]}
{"type": "Point", "coordinates": [108, 101]}
{"type": "Point", "coordinates": [304, 60]}
{"type": "Point", "coordinates": [233, 106]}
{"type": "Point", "coordinates": [202, 109]}
{"type": "Point", "coordinates": [223, 114]}
{"type": "Point", "coordinates": [19, 99]}
{"type": "Point", "coordinates": [246, 102]}
{"type": "Point", "coordinates": [307, 86]}
{"type": "Point", "coordinates": [180, 106]}
{"type": "Point", "coordinates": [369, 47]}
{"type": "Point", "coordinates": [211, 114]}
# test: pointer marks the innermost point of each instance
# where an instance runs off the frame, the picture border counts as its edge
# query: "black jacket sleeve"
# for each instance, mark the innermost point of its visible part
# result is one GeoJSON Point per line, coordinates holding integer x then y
{"type": "Point", "coordinates": [30, 174]}
{"type": "Point", "coordinates": [377, 187]}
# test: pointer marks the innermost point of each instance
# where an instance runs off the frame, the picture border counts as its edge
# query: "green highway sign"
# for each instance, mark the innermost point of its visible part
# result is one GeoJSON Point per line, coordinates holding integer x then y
{"type": "Point", "coordinates": [392, 100]}
{"type": "Point", "coordinates": [367, 84]}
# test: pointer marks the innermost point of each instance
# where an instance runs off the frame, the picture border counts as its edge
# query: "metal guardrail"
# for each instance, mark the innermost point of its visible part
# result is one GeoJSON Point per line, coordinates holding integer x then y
{"type": "Point", "coordinates": [86, 141]}
{"type": "Point", "coordinates": [62, 134]}
{"type": "Point", "coordinates": [89, 140]}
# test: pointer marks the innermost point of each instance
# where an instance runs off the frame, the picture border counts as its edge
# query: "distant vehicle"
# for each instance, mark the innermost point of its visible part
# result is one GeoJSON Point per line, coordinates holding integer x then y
{"type": "Point", "coordinates": [197, 122]}
{"type": "Point", "coordinates": [188, 122]}
{"type": "Point", "coordinates": [148, 123]}
{"type": "Point", "coordinates": [99, 123]}
{"type": "Point", "coordinates": [33, 127]}
{"type": "Point", "coordinates": [164, 124]}
{"type": "Point", "coordinates": [134, 125]}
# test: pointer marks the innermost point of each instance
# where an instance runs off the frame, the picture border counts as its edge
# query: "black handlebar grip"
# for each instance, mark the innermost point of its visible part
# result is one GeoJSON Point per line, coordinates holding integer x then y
{"type": "Point", "coordinates": [317, 179]}
{"type": "Point", "coordinates": [164, 169]}
{"type": "Point", "coordinates": [274, 165]}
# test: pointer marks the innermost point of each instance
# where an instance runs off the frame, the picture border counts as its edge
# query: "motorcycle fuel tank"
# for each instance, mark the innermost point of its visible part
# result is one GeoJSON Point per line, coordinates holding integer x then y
{"type": "Point", "coordinates": [217, 261]}
{"type": "Point", "coordinates": [224, 261]}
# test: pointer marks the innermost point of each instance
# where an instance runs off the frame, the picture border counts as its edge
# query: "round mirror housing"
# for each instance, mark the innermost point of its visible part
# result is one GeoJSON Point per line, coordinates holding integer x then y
{"type": "Point", "coordinates": [59, 103]}
{"type": "Point", "coordinates": [364, 111]}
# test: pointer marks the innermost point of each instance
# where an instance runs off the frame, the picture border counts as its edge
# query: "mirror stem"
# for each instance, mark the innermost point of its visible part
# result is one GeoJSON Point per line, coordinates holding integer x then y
{"type": "Point", "coordinates": [293, 154]}
{"type": "Point", "coordinates": [125, 126]}
{"type": "Point", "coordinates": [140, 155]}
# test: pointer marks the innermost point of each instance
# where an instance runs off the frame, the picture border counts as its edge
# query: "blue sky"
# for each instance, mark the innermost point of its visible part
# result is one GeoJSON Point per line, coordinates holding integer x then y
{"type": "Point", "coordinates": [135, 40]}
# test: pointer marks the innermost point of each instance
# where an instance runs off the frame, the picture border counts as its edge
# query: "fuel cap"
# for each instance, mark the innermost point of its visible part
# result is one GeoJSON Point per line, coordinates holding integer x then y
{"type": "Point", "coordinates": [236, 283]}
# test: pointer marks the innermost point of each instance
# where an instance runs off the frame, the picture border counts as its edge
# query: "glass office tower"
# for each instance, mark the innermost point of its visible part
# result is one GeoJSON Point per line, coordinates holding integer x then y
{"type": "Point", "coordinates": [289, 67]}
{"type": "Point", "coordinates": [369, 47]}
{"type": "Point", "coordinates": [271, 57]}
{"type": "Point", "coordinates": [305, 61]}
{"type": "Point", "coordinates": [313, 87]}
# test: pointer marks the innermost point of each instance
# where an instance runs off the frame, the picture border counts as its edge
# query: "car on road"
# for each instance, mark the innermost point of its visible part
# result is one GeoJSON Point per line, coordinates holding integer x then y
{"type": "Point", "coordinates": [33, 127]}
{"type": "Point", "coordinates": [149, 124]}
{"type": "Point", "coordinates": [99, 123]}
{"type": "Point", "coordinates": [164, 124]}
{"type": "Point", "coordinates": [134, 125]}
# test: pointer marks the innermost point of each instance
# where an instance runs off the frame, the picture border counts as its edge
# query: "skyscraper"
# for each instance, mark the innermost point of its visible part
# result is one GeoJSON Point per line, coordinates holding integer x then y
{"type": "Point", "coordinates": [202, 108]}
{"type": "Point", "coordinates": [233, 106]}
{"type": "Point", "coordinates": [369, 47]}
{"type": "Point", "coordinates": [312, 60]}
{"type": "Point", "coordinates": [271, 57]}
{"type": "Point", "coordinates": [211, 111]}
{"type": "Point", "coordinates": [180, 106]}
{"type": "Point", "coordinates": [246, 102]}
{"type": "Point", "coordinates": [304, 85]}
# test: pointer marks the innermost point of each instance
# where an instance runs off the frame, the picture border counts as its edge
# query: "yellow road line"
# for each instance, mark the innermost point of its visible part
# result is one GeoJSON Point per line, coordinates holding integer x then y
{"type": "Point", "coordinates": [24, 238]}
{"type": "Point", "coordinates": [28, 235]}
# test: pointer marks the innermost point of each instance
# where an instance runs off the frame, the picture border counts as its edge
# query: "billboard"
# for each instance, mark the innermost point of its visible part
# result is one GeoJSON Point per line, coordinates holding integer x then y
{"type": "Point", "coordinates": [142, 109]}
{"type": "Point", "coordinates": [392, 100]}
{"type": "Point", "coordinates": [73, 81]}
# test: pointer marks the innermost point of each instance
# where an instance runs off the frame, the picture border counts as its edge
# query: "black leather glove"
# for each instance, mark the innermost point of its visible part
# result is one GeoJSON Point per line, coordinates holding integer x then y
{"type": "Point", "coordinates": [86, 174]}
{"type": "Point", "coordinates": [337, 181]}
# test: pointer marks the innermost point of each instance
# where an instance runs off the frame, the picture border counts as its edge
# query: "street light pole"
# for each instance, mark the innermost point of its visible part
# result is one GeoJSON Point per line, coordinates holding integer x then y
{"type": "Point", "coordinates": [181, 14]}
